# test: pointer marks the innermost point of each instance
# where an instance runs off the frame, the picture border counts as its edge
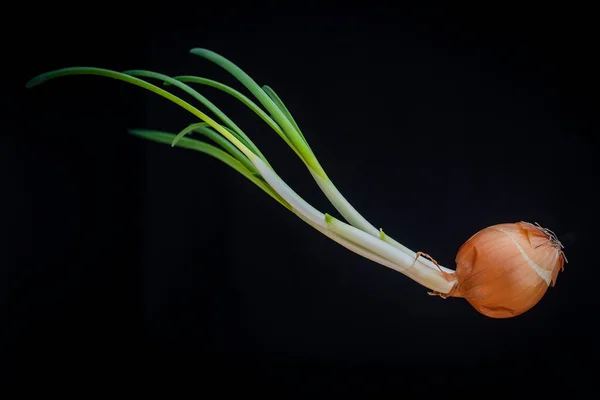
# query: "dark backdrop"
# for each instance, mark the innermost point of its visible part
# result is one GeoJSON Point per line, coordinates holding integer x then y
{"type": "Point", "coordinates": [123, 256]}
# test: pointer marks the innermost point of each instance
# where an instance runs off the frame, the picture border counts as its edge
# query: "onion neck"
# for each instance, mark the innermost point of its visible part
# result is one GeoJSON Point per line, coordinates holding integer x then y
{"type": "Point", "coordinates": [438, 280]}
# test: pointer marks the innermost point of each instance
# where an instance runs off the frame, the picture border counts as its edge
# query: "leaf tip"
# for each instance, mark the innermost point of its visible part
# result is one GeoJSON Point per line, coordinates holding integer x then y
{"type": "Point", "coordinates": [176, 140]}
{"type": "Point", "coordinates": [198, 50]}
{"type": "Point", "coordinates": [135, 132]}
{"type": "Point", "coordinates": [34, 82]}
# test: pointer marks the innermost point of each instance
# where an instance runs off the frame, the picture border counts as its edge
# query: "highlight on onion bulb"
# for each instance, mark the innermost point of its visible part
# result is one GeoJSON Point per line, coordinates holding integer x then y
{"type": "Point", "coordinates": [502, 271]}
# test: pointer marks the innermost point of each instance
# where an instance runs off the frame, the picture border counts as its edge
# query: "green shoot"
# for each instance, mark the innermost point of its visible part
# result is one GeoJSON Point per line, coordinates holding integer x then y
{"type": "Point", "coordinates": [245, 100]}
{"type": "Point", "coordinates": [277, 100]}
{"type": "Point", "coordinates": [203, 129]}
{"type": "Point", "coordinates": [280, 114]}
{"type": "Point", "coordinates": [288, 128]}
{"type": "Point", "coordinates": [234, 129]}
{"type": "Point", "coordinates": [242, 155]}
{"type": "Point", "coordinates": [191, 144]}
{"type": "Point", "coordinates": [141, 83]}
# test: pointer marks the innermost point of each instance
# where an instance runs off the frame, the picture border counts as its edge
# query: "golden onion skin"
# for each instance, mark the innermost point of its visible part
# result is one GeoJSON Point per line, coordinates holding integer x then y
{"type": "Point", "coordinates": [504, 270]}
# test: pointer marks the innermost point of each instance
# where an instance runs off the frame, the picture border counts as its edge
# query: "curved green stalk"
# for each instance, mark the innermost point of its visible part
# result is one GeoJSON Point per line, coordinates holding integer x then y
{"type": "Point", "coordinates": [267, 102]}
{"type": "Point", "coordinates": [351, 238]}
{"type": "Point", "coordinates": [234, 129]}
{"type": "Point", "coordinates": [203, 129]}
{"type": "Point", "coordinates": [416, 269]}
{"type": "Point", "coordinates": [245, 100]}
{"type": "Point", "coordinates": [143, 84]}
{"type": "Point", "coordinates": [273, 103]}
{"type": "Point", "coordinates": [187, 143]}
{"type": "Point", "coordinates": [366, 244]}
{"type": "Point", "coordinates": [277, 100]}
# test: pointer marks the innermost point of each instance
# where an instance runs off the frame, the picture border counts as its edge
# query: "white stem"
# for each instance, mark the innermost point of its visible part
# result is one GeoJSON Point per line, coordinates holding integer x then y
{"type": "Point", "coordinates": [428, 277]}
{"type": "Point", "coordinates": [354, 239]}
{"type": "Point", "coordinates": [342, 205]}
{"type": "Point", "coordinates": [351, 246]}
{"type": "Point", "coordinates": [357, 220]}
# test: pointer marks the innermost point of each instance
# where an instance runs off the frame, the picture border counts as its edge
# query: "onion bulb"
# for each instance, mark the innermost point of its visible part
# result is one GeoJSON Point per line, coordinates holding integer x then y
{"type": "Point", "coordinates": [503, 271]}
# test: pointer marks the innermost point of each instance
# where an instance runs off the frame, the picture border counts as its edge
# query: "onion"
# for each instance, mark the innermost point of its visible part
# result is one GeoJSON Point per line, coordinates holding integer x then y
{"type": "Point", "coordinates": [505, 269]}
{"type": "Point", "coordinates": [502, 271]}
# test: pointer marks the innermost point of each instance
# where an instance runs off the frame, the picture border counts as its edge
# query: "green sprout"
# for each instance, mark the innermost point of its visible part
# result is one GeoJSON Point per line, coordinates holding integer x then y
{"type": "Point", "coordinates": [233, 147]}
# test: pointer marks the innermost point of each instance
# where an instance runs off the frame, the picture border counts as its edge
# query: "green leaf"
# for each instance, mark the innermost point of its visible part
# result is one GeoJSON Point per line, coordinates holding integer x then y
{"type": "Point", "coordinates": [191, 144]}
{"type": "Point", "coordinates": [277, 100]}
{"type": "Point", "coordinates": [295, 137]}
{"type": "Point", "coordinates": [235, 130]}
{"type": "Point", "coordinates": [235, 93]}
{"type": "Point", "coordinates": [203, 129]}
{"type": "Point", "coordinates": [185, 131]}
{"type": "Point", "coordinates": [244, 99]}
{"type": "Point", "coordinates": [146, 85]}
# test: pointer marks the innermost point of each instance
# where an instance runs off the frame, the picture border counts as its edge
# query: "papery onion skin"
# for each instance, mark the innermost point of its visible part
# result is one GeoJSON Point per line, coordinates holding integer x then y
{"type": "Point", "coordinates": [504, 270]}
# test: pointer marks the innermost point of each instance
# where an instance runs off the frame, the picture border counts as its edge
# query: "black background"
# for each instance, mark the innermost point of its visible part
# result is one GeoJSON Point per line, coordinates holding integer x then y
{"type": "Point", "coordinates": [124, 257]}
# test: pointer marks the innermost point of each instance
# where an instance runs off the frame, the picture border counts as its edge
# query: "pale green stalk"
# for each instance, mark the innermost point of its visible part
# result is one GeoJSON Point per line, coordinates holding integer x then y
{"type": "Point", "coordinates": [241, 154]}
{"type": "Point", "coordinates": [233, 162]}
{"type": "Point", "coordinates": [280, 115]}
{"type": "Point", "coordinates": [296, 140]}
{"type": "Point", "coordinates": [398, 260]}
{"type": "Point", "coordinates": [342, 233]}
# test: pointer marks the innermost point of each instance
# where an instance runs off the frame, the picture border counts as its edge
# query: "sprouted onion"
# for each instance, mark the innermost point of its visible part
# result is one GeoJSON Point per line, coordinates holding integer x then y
{"type": "Point", "coordinates": [502, 271]}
